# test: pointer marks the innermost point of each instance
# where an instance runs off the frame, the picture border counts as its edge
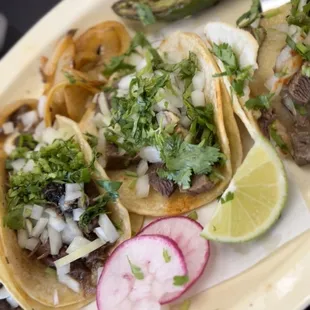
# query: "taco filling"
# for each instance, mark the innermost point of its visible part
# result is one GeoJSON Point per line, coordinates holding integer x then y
{"type": "Point", "coordinates": [156, 123]}
{"type": "Point", "coordinates": [53, 204]}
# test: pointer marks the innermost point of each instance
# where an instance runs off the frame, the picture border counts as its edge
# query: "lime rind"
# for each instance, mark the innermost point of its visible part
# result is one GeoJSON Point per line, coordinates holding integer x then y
{"type": "Point", "coordinates": [282, 187]}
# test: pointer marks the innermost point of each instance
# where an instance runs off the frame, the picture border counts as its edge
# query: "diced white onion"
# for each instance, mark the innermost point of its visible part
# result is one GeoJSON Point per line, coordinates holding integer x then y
{"type": "Point", "coordinates": [51, 212]}
{"type": "Point", "coordinates": [70, 282]}
{"type": "Point", "coordinates": [41, 106]}
{"type": "Point", "coordinates": [8, 148]}
{"type": "Point", "coordinates": [65, 269]}
{"type": "Point", "coordinates": [79, 253]}
{"type": "Point", "coordinates": [22, 237]}
{"type": "Point", "coordinates": [29, 119]}
{"type": "Point", "coordinates": [142, 167]}
{"type": "Point", "coordinates": [99, 231]}
{"type": "Point", "coordinates": [143, 186]}
{"type": "Point", "coordinates": [62, 204]}
{"type": "Point", "coordinates": [29, 227]}
{"type": "Point", "coordinates": [29, 166]}
{"type": "Point", "coordinates": [38, 147]}
{"type": "Point", "coordinates": [27, 211]}
{"type": "Point", "coordinates": [77, 214]}
{"type": "Point", "coordinates": [150, 154]}
{"type": "Point", "coordinates": [4, 293]}
{"type": "Point", "coordinates": [71, 231]}
{"type": "Point", "coordinates": [141, 64]}
{"type": "Point", "coordinates": [122, 92]}
{"type": "Point", "coordinates": [164, 105]}
{"type": "Point", "coordinates": [78, 242]}
{"type": "Point", "coordinates": [8, 128]}
{"type": "Point", "coordinates": [134, 59]}
{"type": "Point", "coordinates": [164, 118]}
{"type": "Point", "coordinates": [103, 105]}
{"type": "Point", "coordinates": [125, 81]}
{"type": "Point", "coordinates": [37, 212]}
{"type": "Point", "coordinates": [49, 135]}
{"type": "Point", "coordinates": [73, 191]}
{"type": "Point", "coordinates": [38, 132]}
{"type": "Point", "coordinates": [198, 98]}
{"type": "Point", "coordinates": [12, 302]}
{"type": "Point", "coordinates": [31, 244]}
{"type": "Point", "coordinates": [55, 240]}
{"type": "Point", "coordinates": [274, 85]}
{"type": "Point", "coordinates": [199, 81]}
{"type": "Point", "coordinates": [185, 121]}
{"type": "Point", "coordinates": [44, 236]}
{"type": "Point", "coordinates": [99, 271]}
{"type": "Point", "coordinates": [39, 228]}
{"type": "Point", "coordinates": [284, 56]}
{"type": "Point", "coordinates": [57, 223]}
{"type": "Point", "coordinates": [18, 164]}
{"type": "Point", "coordinates": [108, 227]}
{"type": "Point", "coordinates": [56, 298]}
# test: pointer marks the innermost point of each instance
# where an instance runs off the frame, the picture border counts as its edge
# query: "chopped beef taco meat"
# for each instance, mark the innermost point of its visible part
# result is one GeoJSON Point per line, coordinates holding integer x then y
{"type": "Point", "coordinates": [53, 192]}
{"type": "Point", "coordinates": [299, 88]}
{"type": "Point", "coordinates": [301, 140]}
{"type": "Point", "coordinates": [266, 119]}
{"type": "Point", "coordinates": [200, 184]}
{"type": "Point", "coordinates": [163, 186]}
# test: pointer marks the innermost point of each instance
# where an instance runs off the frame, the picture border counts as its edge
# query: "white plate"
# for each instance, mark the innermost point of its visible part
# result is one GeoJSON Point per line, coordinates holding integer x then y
{"type": "Point", "coordinates": [279, 282]}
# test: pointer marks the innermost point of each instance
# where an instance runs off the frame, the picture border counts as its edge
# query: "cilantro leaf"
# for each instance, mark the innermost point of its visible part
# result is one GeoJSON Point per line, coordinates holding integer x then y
{"type": "Point", "coordinates": [228, 197]}
{"type": "Point", "coordinates": [301, 48]}
{"type": "Point", "coordinates": [136, 271]}
{"type": "Point", "coordinates": [111, 187]}
{"type": "Point", "coordinates": [180, 280]}
{"type": "Point", "coordinates": [225, 53]}
{"type": "Point", "coordinates": [193, 215]}
{"type": "Point", "coordinates": [167, 257]}
{"type": "Point", "coordinates": [145, 14]}
{"type": "Point", "coordinates": [70, 77]}
{"type": "Point", "coordinates": [249, 17]}
{"type": "Point", "coordinates": [277, 138]}
{"type": "Point", "coordinates": [262, 102]}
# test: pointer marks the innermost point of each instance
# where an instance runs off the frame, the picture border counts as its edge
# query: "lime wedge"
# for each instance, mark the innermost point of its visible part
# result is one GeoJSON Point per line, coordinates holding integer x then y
{"type": "Point", "coordinates": [254, 199]}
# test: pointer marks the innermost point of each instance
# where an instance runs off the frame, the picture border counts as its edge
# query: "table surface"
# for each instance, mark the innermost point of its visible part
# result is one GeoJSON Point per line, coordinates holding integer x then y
{"type": "Point", "coordinates": [19, 22]}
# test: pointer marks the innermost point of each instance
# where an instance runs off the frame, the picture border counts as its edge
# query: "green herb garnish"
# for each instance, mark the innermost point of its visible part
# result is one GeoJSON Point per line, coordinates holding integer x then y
{"type": "Point", "coordinates": [305, 70]}
{"type": "Point", "coordinates": [249, 17]}
{"type": "Point", "coordinates": [145, 14]}
{"type": "Point", "coordinates": [277, 138]}
{"type": "Point", "coordinates": [167, 257]}
{"type": "Point", "coordinates": [262, 102]}
{"type": "Point", "coordinates": [136, 271]}
{"type": "Point", "coordinates": [70, 77]}
{"type": "Point", "coordinates": [228, 197]}
{"type": "Point", "coordinates": [301, 48]}
{"type": "Point", "coordinates": [111, 187]}
{"type": "Point", "coordinates": [180, 280]}
{"type": "Point", "coordinates": [193, 215]}
{"type": "Point", "coordinates": [232, 68]}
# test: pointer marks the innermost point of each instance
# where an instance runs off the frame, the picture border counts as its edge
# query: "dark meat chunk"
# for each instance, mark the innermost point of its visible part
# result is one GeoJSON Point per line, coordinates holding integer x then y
{"type": "Point", "coordinates": [301, 140]}
{"type": "Point", "coordinates": [116, 161]}
{"type": "Point", "coordinates": [96, 259]}
{"type": "Point", "coordinates": [265, 120]}
{"type": "Point", "coordinates": [53, 192]}
{"type": "Point", "coordinates": [163, 186]}
{"type": "Point", "coordinates": [91, 191]}
{"type": "Point", "coordinates": [200, 184]}
{"type": "Point", "coordinates": [81, 273]}
{"type": "Point", "coordinates": [299, 88]}
{"type": "Point", "coordinates": [44, 255]}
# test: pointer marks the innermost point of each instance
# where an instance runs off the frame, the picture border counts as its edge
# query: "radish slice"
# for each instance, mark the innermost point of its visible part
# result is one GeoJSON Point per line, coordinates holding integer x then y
{"type": "Point", "coordinates": [186, 233]}
{"type": "Point", "coordinates": [137, 276]}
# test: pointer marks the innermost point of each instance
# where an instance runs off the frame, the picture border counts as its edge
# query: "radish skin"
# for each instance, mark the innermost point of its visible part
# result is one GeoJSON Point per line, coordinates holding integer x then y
{"type": "Point", "coordinates": [186, 233]}
{"type": "Point", "coordinates": [136, 275]}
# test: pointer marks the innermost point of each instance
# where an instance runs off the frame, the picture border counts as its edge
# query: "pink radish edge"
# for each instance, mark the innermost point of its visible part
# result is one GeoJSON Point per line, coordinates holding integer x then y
{"type": "Point", "coordinates": [123, 244]}
{"type": "Point", "coordinates": [207, 254]}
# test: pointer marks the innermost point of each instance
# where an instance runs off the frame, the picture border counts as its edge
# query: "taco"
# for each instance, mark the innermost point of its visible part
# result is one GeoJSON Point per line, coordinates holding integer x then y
{"type": "Point", "coordinates": [276, 96]}
{"type": "Point", "coordinates": [72, 75]}
{"type": "Point", "coordinates": [162, 129]}
{"type": "Point", "coordinates": [61, 216]}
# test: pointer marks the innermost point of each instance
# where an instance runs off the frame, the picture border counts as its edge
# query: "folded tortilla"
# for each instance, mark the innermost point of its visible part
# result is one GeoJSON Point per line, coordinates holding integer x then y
{"type": "Point", "coordinates": [27, 276]}
{"type": "Point", "coordinates": [178, 46]}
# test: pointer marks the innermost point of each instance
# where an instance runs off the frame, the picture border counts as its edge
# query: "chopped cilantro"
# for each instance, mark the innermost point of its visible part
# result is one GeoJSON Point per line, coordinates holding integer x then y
{"type": "Point", "coordinates": [262, 102]}
{"type": "Point", "coordinates": [193, 215]}
{"type": "Point", "coordinates": [301, 48]}
{"type": "Point", "coordinates": [250, 16]}
{"type": "Point", "coordinates": [228, 197]}
{"type": "Point", "coordinates": [166, 256]}
{"type": "Point", "coordinates": [277, 138]}
{"type": "Point", "coordinates": [305, 70]}
{"type": "Point", "coordinates": [230, 61]}
{"type": "Point", "coordinates": [136, 271]}
{"type": "Point", "coordinates": [145, 14]}
{"type": "Point", "coordinates": [111, 187]}
{"type": "Point", "coordinates": [70, 77]}
{"type": "Point", "coordinates": [180, 280]}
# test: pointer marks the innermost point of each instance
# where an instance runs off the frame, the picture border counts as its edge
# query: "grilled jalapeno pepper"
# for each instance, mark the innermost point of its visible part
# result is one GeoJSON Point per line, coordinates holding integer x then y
{"type": "Point", "coordinates": [167, 10]}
